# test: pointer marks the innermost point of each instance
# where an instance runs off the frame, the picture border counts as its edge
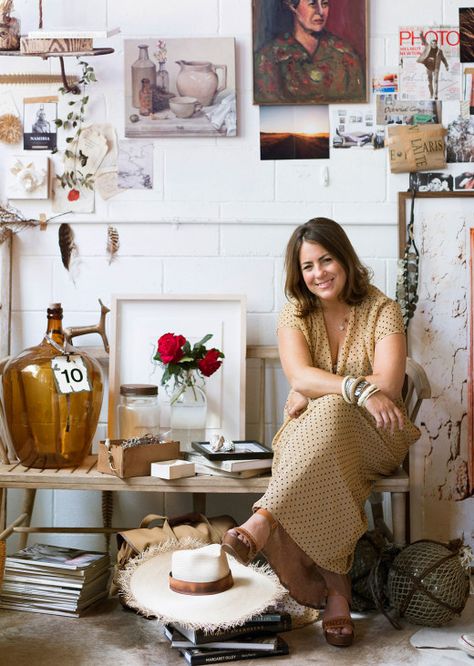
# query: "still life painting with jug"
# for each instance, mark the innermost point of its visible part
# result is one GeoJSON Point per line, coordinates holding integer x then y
{"type": "Point", "coordinates": [180, 87]}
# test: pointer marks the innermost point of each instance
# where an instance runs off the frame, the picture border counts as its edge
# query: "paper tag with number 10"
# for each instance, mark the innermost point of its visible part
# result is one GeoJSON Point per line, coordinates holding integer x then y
{"type": "Point", "coordinates": [70, 374]}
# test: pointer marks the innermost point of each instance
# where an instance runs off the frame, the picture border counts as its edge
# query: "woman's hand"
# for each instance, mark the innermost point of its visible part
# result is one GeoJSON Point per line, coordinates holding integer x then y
{"type": "Point", "coordinates": [296, 404]}
{"type": "Point", "coordinates": [385, 412]}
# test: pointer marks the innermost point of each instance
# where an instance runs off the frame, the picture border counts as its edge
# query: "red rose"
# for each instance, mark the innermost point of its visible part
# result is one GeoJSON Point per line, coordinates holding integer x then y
{"type": "Point", "coordinates": [73, 195]}
{"type": "Point", "coordinates": [169, 347]}
{"type": "Point", "coordinates": [210, 363]}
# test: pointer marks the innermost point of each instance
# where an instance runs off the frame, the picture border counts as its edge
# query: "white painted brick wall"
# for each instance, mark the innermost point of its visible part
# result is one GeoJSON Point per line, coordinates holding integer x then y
{"type": "Point", "coordinates": [217, 219]}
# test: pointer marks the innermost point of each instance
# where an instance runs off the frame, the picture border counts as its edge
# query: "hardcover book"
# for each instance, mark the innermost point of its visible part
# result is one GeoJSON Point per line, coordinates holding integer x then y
{"type": "Point", "coordinates": [260, 624]}
{"type": "Point", "coordinates": [199, 655]}
{"type": "Point", "coordinates": [263, 642]}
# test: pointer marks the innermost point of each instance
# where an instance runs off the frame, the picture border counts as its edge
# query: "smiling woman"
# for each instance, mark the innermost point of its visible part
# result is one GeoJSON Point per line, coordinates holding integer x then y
{"type": "Point", "coordinates": [306, 63]}
{"type": "Point", "coordinates": [342, 348]}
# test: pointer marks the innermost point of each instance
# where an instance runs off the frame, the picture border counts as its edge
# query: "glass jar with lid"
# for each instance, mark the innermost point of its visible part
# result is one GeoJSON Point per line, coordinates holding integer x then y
{"type": "Point", "coordinates": [138, 410]}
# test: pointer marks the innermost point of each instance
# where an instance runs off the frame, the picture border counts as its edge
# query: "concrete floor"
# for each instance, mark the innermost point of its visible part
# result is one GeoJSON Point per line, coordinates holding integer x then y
{"type": "Point", "coordinates": [110, 636]}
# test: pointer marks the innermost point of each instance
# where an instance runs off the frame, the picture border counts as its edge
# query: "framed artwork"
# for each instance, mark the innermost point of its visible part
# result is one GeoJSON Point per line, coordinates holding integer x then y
{"type": "Point", "coordinates": [180, 87]}
{"type": "Point", "coordinates": [310, 52]}
{"type": "Point", "coordinates": [137, 321]}
{"type": "Point", "coordinates": [247, 449]}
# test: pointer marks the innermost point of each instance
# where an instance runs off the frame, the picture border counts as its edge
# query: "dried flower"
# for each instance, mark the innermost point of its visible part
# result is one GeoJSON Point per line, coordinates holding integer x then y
{"type": "Point", "coordinates": [10, 128]}
{"type": "Point", "coordinates": [73, 195]}
{"type": "Point", "coordinates": [161, 54]}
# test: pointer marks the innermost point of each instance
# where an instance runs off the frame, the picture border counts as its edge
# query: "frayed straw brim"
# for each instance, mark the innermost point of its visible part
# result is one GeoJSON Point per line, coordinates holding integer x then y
{"type": "Point", "coordinates": [144, 584]}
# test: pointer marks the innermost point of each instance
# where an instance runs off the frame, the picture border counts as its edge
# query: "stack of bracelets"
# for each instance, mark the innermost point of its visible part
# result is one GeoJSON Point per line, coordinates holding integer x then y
{"type": "Point", "coordinates": [357, 390]}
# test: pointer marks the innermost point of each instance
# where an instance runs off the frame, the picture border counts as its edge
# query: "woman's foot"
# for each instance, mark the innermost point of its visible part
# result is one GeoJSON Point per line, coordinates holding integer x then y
{"type": "Point", "coordinates": [246, 541]}
{"type": "Point", "coordinates": [337, 624]}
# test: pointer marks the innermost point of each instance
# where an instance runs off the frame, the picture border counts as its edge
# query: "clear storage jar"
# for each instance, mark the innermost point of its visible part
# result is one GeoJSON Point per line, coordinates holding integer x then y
{"type": "Point", "coordinates": [138, 410]}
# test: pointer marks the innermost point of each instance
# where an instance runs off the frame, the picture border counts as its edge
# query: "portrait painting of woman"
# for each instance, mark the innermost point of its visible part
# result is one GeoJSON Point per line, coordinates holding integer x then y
{"type": "Point", "coordinates": [310, 51]}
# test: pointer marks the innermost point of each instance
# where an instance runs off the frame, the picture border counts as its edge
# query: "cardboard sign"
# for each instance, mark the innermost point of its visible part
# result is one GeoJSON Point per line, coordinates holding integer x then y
{"type": "Point", "coordinates": [70, 374]}
{"type": "Point", "coordinates": [416, 147]}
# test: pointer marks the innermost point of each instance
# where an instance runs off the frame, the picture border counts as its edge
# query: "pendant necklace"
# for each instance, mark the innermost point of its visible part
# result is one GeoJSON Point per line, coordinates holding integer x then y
{"type": "Point", "coordinates": [342, 326]}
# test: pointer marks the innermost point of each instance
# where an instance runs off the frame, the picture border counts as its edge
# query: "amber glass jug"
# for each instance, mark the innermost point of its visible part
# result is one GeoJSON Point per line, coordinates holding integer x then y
{"type": "Point", "coordinates": [52, 395]}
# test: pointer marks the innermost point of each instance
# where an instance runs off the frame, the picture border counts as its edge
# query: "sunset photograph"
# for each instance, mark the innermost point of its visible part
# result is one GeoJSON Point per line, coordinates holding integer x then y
{"type": "Point", "coordinates": [294, 133]}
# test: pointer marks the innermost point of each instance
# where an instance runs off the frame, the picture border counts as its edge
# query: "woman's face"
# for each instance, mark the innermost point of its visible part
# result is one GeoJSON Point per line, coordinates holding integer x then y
{"type": "Point", "coordinates": [323, 275]}
{"type": "Point", "coordinates": [312, 15]}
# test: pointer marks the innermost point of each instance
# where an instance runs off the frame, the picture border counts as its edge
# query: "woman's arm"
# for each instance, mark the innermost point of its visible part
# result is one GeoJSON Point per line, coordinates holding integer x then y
{"type": "Point", "coordinates": [388, 375]}
{"type": "Point", "coordinates": [296, 362]}
{"type": "Point", "coordinates": [388, 368]}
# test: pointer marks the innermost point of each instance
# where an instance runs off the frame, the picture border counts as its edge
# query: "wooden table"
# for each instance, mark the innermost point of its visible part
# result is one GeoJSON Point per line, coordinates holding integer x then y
{"type": "Point", "coordinates": [86, 477]}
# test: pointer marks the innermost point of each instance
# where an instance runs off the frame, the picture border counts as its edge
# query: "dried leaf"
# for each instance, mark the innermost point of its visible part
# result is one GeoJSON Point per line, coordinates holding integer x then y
{"type": "Point", "coordinates": [66, 244]}
{"type": "Point", "coordinates": [113, 242]}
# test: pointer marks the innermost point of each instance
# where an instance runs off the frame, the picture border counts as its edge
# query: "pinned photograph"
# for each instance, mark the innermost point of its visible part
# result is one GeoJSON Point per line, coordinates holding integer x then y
{"type": "Point", "coordinates": [180, 87]}
{"type": "Point", "coordinates": [437, 181]}
{"type": "Point", "coordinates": [39, 127]}
{"type": "Point", "coordinates": [355, 127]}
{"type": "Point", "coordinates": [135, 165]}
{"type": "Point", "coordinates": [460, 140]}
{"type": "Point", "coordinates": [310, 52]}
{"type": "Point", "coordinates": [385, 83]}
{"type": "Point", "coordinates": [394, 111]}
{"type": "Point", "coordinates": [27, 177]}
{"type": "Point", "coordinates": [466, 30]}
{"type": "Point", "coordinates": [294, 133]}
{"type": "Point", "coordinates": [429, 63]}
{"type": "Point", "coordinates": [465, 181]}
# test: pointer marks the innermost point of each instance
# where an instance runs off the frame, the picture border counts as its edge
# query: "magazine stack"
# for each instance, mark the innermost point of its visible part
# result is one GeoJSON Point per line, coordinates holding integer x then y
{"type": "Point", "coordinates": [55, 580]}
{"type": "Point", "coordinates": [255, 639]}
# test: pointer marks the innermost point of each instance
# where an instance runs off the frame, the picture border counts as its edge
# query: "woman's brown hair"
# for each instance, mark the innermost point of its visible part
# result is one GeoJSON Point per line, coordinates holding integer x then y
{"type": "Point", "coordinates": [333, 238]}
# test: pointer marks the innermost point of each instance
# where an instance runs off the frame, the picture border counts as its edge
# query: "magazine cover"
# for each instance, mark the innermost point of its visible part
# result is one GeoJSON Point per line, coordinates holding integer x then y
{"type": "Point", "coordinates": [56, 556]}
{"type": "Point", "coordinates": [429, 63]}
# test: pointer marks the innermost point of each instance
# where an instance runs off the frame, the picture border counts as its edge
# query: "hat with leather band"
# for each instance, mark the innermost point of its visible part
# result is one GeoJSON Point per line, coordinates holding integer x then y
{"type": "Point", "coordinates": [196, 585]}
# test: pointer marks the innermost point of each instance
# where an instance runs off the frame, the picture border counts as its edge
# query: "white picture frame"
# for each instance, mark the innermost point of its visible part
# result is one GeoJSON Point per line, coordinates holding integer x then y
{"type": "Point", "coordinates": [138, 320]}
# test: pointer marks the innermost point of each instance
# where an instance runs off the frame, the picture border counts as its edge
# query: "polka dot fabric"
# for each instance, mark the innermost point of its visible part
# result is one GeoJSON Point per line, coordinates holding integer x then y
{"type": "Point", "coordinates": [326, 460]}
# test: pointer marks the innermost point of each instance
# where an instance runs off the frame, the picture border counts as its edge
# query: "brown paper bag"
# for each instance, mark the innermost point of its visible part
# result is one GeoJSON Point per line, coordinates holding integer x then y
{"type": "Point", "coordinates": [416, 148]}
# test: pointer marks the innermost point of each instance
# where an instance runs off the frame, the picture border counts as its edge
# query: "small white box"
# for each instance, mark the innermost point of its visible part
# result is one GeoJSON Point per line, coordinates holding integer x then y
{"type": "Point", "coordinates": [172, 469]}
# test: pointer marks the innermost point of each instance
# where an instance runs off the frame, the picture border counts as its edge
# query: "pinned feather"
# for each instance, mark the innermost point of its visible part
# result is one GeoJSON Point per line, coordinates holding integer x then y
{"type": "Point", "coordinates": [66, 244]}
{"type": "Point", "coordinates": [113, 242]}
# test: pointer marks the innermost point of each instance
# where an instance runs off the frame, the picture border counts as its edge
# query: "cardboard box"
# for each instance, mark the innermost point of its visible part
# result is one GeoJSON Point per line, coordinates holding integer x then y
{"type": "Point", "coordinates": [172, 469]}
{"type": "Point", "coordinates": [134, 460]}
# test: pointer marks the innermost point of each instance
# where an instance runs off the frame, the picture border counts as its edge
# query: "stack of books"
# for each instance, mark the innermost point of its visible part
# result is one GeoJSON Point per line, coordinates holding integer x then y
{"type": "Point", "coordinates": [248, 458]}
{"type": "Point", "coordinates": [255, 639]}
{"type": "Point", "coordinates": [55, 580]}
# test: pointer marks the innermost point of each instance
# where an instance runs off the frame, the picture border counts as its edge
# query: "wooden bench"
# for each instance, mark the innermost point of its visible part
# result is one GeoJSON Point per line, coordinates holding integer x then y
{"type": "Point", "coordinates": [86, 476]}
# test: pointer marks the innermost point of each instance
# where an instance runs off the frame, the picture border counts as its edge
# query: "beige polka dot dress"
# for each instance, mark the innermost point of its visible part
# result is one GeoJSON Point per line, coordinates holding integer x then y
{"type": "Point", "coordinates": [326, 460]}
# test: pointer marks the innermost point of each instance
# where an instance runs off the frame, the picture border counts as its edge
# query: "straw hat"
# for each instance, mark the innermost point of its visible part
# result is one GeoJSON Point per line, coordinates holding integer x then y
{"type": "Point", "coordinates": [194, 584]}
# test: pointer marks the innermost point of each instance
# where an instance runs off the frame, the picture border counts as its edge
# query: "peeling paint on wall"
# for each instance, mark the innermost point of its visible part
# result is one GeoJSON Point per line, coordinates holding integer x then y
{"type": "Point", "coordinates": [438, 339]}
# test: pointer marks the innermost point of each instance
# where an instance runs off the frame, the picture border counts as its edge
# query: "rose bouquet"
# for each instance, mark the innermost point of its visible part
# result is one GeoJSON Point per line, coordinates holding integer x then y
{"type": "Point", "coordinates": [183, 363]}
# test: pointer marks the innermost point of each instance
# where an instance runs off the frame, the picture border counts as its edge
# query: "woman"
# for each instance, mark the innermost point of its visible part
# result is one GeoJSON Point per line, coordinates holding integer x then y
{"type": "Point", "coordinates": [311, 65]}
{"type": "Point", "coordinates": [342, 348]}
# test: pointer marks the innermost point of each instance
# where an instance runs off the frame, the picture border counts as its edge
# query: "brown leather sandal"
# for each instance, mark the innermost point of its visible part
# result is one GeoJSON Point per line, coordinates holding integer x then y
{"type": "Point", "coordinates": [234, 546]}
{"type": "Point", "coordinates": [339, 622]}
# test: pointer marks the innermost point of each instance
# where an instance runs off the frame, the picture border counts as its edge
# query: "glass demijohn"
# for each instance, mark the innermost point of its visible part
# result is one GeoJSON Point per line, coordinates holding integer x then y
{"type": "Point", "coordinates": [50, 429]}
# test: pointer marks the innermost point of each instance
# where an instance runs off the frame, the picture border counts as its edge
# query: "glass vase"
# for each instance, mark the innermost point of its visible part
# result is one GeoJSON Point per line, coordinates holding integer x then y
{"type": "Point", "coordinates": [188, 414]}
{"type": "Point", "coordinates": [162, 78]}
{"type": "Point", "coordinates": [49, 428]}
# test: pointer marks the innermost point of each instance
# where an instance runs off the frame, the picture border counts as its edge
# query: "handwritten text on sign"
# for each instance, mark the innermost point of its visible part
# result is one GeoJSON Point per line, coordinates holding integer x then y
{"type": "Point", "coordinates": [70, 374]}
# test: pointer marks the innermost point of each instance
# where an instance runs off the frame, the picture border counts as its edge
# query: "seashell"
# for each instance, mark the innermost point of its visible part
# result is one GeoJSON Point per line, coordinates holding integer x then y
{"type": "Point", "coordinates": [228, 445]}
{"type": "Point", "coordinates": [217, 442]}
{"type": "Point", "coordinates": [134, 118]}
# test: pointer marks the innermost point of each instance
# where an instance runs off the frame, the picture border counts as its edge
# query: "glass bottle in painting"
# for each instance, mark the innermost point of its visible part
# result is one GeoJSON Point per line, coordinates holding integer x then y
{"type": "Point", "coordinates": [145, 98]}
{"type": "Point", "coordinates": [142, 68]}
{"type": "Point", "coordinates": [50, 428]}
{"type": "Point", "coordinates": [138, 410]}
